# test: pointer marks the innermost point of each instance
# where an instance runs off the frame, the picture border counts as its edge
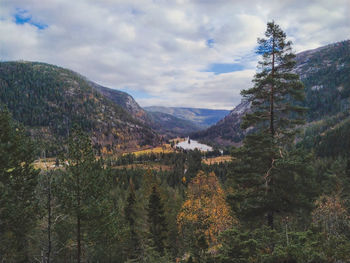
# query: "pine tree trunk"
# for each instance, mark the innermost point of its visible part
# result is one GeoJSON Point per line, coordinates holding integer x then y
{"type": "Point", "coordinates": [49, 220]}
{"type": "Point", "coordinates": [272, 91]}
{"type": "Point", "coordinates": [78, 239]}
{"type": "Point", "coordinates": [272, 128]}
{"type": "Point", "coordinates": [270, 218]}
{"type": "Point", "coordinates": [78, 221]}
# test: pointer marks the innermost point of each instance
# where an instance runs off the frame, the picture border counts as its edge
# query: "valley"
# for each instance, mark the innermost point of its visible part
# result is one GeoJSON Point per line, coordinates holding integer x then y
{"type": "Point", "coordinates": [147, 159]}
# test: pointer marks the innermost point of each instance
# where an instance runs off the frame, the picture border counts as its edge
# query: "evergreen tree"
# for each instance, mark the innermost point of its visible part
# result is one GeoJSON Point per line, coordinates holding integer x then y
{"type": "Point", "coordinates": [45, 183]}
{"type": "Point", "coordinates": [237, 247]}
{"type": "Point", "coordinates": [194, 163]}
{"type": "Point", "coordinates": [156, 221]}
{"type": "Point", "coordinates": [175, 178]}
{"type": "Point", "coordinates": [266, 166]}
{"type": "Point", "coordinates": [133, 243]}
{"type": "Point", "coordinates": [18, 179]}
{"type": "Point", "coordinates": [276, 89]}
{"type": "Point", "coordinates": [82, 186]}
{"type": "Point", "coordinates": [346, 180]}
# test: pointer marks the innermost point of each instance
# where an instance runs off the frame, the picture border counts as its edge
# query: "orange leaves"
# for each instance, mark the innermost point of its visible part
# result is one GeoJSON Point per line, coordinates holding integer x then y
{"type": "Point", "coordinates": [205, 211]}
{"type": "Point", "coordinates": [331, 214]}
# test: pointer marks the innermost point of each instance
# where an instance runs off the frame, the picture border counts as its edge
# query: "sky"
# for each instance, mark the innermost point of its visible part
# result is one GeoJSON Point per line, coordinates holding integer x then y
{"type": "Point", "coordinates": [189, 53]}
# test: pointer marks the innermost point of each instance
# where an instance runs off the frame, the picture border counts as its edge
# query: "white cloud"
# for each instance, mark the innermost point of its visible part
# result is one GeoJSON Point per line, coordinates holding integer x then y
{"type": "Point", "coordinates": [160, 47]}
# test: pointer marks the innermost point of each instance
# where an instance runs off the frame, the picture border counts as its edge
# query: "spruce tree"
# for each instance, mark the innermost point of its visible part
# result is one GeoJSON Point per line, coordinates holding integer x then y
{"type": "Point", "coordinates": [18, 180]}
{"type": "Point", "coordinates": [157, 221]}
{"type": "Point", "coordinates": [265, 167]}
{"type": "Point", "coordinates": [133, 243]}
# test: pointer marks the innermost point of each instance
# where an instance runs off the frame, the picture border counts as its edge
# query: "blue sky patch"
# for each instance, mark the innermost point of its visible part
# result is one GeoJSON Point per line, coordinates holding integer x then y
{"type": "Point", "coordinates": [220, 68]}
{"type": "Point", "coordinates": [137, 94]}
{"type": "Point", "coordinates": [22, 17]}
{"type": "Point", "coordinates": [210, 43]}
{"type": "Point", "coordinates": [136, 12]}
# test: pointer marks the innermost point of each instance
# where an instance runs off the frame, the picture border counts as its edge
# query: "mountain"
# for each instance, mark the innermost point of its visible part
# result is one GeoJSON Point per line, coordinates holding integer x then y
{"type": "Point", "coordinates": [49, 100]}
{"type": "Point", "coordinates": [165, 124]}
{"type": "Point", "coordinates": [325, 72]}
{"type": "Point", "coordinates": [201, 117]}
{"type": "Point", "coordinates": [171, 126]}
{"type": "Point", "coordinates": [124, 100]}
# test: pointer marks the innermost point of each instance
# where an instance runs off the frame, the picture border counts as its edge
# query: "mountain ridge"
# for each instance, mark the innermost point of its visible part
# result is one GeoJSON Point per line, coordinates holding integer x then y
{"type": "Point", "coordinates": [165, 124]}
{"type": "Point", "coordinates": [202, 117]}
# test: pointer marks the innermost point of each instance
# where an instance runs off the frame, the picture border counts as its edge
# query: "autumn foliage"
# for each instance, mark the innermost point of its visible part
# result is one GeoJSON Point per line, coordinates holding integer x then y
{"type": "Point", "coordinates": [331, 214]}
{"type": "Point", "coordinates": [205, 213]}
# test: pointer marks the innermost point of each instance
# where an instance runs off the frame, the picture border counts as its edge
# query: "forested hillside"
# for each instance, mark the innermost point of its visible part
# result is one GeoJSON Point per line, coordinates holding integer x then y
{"type": "Point", "coordinates": [170, 126]}
{"type": "Point", "coordinates": [124, 100]}
{"type": "Point", "coordinates": [325, 74]}
{"type": "Point", "coordinates": [49, 100]}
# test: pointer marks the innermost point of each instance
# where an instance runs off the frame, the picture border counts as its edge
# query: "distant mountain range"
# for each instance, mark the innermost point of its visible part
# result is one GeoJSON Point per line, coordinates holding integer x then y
{"type": "Point", "coordinates": [325, 72]}
{"type": "Point", "coordinates": [202, 118]}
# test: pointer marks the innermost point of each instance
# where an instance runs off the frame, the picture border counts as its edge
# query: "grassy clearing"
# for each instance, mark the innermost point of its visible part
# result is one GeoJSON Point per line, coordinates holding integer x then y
{"type": "Point", "coordinates": [219, 159]}
{"type": "Point", "coordinates": [165, 148]}
{"type": "Point", "coordinates": [45, 164]}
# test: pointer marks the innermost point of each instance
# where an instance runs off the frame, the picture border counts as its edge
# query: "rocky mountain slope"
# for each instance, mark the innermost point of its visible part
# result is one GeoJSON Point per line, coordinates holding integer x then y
{"type": "Point", "coordinates": [124, 100]}
{"type": "Point", "coordinates": [325, 72]}
{"type": "Point", "coordinates": [164, 124]}
{"type": "Point", "coordinates": [49, 100]}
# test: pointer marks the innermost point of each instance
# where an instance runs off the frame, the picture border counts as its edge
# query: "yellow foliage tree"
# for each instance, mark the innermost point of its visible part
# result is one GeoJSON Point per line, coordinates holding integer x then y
{"type": "Point", "coordinates": [331, 215]}
{"type": "Point", "coordinates": [205, 213]}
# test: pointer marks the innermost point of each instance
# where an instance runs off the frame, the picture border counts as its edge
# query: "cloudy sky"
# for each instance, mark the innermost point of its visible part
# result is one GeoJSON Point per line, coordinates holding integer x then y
{"type": "Point", "coordinates": [197, 53]}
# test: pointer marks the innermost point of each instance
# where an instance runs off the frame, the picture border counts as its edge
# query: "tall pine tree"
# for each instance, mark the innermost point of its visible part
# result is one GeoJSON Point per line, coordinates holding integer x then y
{"type": "Point", "coordinates": [267, 165]}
